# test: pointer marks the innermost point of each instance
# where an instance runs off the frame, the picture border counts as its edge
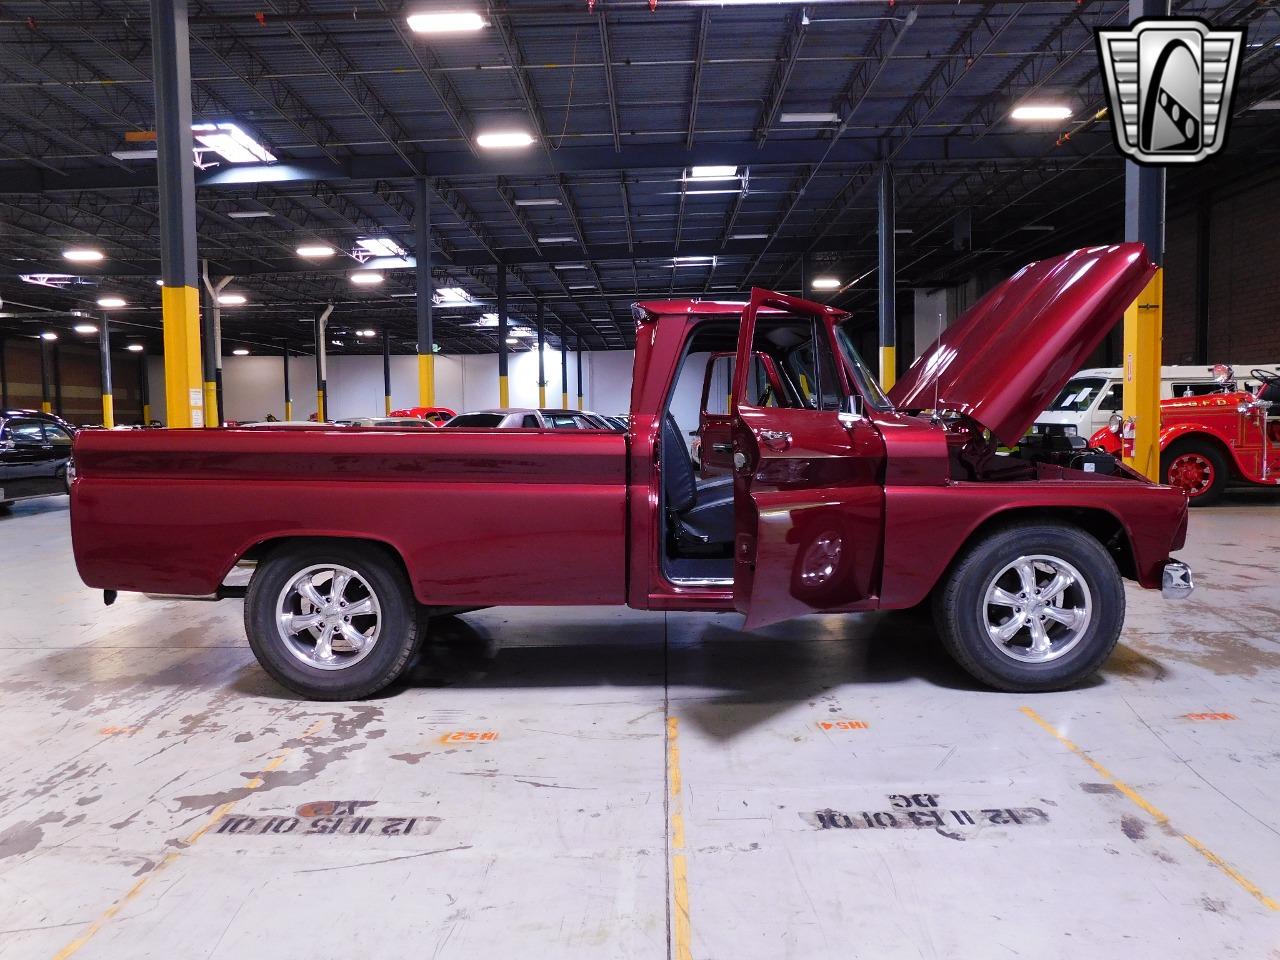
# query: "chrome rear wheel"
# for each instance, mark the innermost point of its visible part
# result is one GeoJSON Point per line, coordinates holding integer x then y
{"type": "Point", "coordinates": [328, 616]}
{"type": "Point", "coordinates": [1037, 608]}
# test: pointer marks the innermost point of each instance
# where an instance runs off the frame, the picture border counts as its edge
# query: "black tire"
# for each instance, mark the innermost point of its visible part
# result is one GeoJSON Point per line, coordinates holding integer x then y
{"type": "Point", "coordinates": [961, 615]}
{"type": "Point", "coordinates": [399, 627]}
{"type": "Point", "coordinates": [1212, 493]}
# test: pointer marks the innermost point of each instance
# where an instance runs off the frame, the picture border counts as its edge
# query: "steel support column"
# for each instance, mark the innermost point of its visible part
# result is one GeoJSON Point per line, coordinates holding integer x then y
{"type": "Point", "coordinates": [1144, 201]}
{"type": "Point", "coordinates": [144, 388]}
{"type": "Point", "coordinates": [104, 361]}
{"type": "Point", "coordinates": [888, 279]}
{"type": "Point", "coordinates": [564, 367]}
{"type": "Point", "coordinates": [386, 371]}
{"type": "Point", "coordinates": [1204, 229]}
{"type": "Point", "coordinates": [322, 385]}
{"type": "Point", "coordinates": [45, 405]}
{"type": "Point", "coordinates": [542, 373]}
{"type": "Point", "coordinates": [504, 392]}
{"type": "Point", "coordinates": [288, 387]}
{"type": "Point", "coordinates": [579, 359]}
{"type": "Point", "coordinates": [180, 298]}
{"type": "Point", "coordinates": [211, 342]}
{"type": "Point", "coordinates": [426, 293]}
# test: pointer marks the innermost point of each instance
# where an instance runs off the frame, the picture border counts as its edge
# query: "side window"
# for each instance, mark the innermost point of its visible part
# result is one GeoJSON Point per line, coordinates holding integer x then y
{"type": "Point", "coordinates": [562, 421]}
{"type": "Point", "coordinates": [1113, 399]}
{"type": "Point", "coordinates": [25, 431]}
{"type": "Point", "coordinates": [56, 435]}
{"type": "Point", "coordinates": [530, 420]}
{"type": "Point", "coordinates": [802, 351]}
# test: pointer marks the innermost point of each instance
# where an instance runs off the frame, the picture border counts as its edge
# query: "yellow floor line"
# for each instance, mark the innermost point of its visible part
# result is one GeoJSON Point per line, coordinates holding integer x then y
{"type": "Point", "coordinates": [105, 917]}
{"type": "Point", "coordinates": [1156, 813]}
{"type": "Point", "coordinates": [682, 934]}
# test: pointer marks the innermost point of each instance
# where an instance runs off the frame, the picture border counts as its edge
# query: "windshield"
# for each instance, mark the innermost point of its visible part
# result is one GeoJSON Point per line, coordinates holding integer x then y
{"type": "Point", "coordinates": [863, 378]}
{"type": "Point", "coordinates": [1078, 395]}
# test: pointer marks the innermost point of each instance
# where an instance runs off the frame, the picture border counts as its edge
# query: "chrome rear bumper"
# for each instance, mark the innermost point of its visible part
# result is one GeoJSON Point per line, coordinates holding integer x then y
{"type": "Point", "coordinates": [1176, 583]}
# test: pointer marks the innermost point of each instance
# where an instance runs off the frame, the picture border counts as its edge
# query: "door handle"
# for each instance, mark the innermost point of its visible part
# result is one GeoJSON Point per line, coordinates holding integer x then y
{"type": "Point", "coordinates": [722, 447]}
{"type": "Point", "coordinates": [776, 440]}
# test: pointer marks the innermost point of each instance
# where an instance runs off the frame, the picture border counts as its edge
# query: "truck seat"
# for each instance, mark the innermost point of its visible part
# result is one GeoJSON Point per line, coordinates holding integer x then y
{"type": "Point", "coordinates": [701, 515]}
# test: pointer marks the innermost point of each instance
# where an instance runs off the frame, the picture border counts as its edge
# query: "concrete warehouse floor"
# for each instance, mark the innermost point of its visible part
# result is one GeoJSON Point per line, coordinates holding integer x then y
{"type": "Point", "coordinates": [605, 783]}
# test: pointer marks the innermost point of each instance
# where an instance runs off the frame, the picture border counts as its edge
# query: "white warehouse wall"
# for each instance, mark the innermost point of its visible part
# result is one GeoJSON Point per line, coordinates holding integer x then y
{"type": "Point", "coordinates": [254, 386]}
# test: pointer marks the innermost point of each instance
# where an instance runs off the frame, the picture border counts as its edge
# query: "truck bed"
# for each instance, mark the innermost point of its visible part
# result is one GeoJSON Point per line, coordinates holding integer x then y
{"type": "Point", "coordinates": [478, 517]}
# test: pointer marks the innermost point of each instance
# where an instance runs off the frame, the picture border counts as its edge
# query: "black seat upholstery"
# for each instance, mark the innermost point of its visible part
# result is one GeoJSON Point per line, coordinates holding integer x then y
{"type": "Point", "coordinates": [1271, 391]}
{"type": "Point", "coordinates": [701, 514]}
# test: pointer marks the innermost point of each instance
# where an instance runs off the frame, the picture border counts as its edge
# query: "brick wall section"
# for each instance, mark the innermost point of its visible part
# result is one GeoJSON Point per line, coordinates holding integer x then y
{"type": "Point", "coordinates": [1244, 280]}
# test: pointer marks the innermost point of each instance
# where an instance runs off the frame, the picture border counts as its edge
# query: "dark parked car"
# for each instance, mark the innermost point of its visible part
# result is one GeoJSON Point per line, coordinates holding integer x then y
{"type": "Point", "coordinates": [35, 455]}
{"type": "Point", "coordinates": [515, 418]}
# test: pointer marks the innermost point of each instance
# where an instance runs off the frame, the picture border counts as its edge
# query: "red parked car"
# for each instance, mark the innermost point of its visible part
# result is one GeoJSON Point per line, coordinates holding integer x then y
{"type": "Point", "coordinates": [1209, 441]}
{"type": "Point", "coordinates": [840, 498]}
{"type": "Point", "coordinates": [437, 415]}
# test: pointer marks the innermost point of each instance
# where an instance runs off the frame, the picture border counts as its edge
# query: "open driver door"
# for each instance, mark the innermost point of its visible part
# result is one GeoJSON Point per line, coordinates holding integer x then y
{"type": "Point", "coordinates": [808, 490]}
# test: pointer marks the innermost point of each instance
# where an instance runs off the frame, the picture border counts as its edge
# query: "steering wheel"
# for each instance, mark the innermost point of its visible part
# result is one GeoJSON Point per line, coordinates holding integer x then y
{"type": "Point", "coordinates": [1265, 378]}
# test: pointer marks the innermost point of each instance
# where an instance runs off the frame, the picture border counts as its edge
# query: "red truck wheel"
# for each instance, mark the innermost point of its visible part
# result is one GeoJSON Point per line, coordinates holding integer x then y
{"type": "Point", "coordinates": [331, 620]}
{"type": "Point", "coordinates": [1031, 608]}
{"type": "Point", "coordinates": [1197, 469]}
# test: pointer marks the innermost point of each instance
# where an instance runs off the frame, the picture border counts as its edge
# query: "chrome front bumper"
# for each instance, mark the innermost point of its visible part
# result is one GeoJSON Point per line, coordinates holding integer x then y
{"type": "Point", "coordinates": [1176, 583]}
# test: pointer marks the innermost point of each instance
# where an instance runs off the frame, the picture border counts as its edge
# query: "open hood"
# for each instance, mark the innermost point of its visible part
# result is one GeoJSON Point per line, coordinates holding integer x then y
{"type": "Point", "coordinates": [1005, 358]}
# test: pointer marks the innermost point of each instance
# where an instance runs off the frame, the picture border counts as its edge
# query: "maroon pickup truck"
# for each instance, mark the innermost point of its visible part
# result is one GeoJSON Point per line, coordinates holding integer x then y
{"type": "Point", "coordinates": [838, 498]}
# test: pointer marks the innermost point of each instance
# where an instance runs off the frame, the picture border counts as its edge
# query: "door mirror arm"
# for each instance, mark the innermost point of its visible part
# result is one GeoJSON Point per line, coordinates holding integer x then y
{"type": "Point", "coordinates": [851, 409]}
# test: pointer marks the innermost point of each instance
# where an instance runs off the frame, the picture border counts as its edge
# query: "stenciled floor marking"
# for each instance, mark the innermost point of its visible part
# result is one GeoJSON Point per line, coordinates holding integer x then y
{"type": "Point", "coordinates": [132, 893]}
{"type": "Point", "coordinates": [1156, 813]}
{"type": "Point", "coordinates": [682, 936]}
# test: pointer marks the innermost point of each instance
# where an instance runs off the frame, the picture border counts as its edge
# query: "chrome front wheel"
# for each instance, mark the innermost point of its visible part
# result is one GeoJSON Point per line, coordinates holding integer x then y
{"type": "Point", "coordinates": [1037, 608]}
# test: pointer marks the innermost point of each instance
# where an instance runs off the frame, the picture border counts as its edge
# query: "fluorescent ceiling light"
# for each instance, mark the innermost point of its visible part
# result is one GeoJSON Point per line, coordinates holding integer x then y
{"type": "Point", "coordinates": [111, 301]}
{"type": "Point", "coordinates": [693, 261]}
{"type": "Point", "coordinates": [240, 352]}
{"type": "Point", "coordinates": [1038, 227]}
{"type": "Point", "coordinates": [750, 236]}
{"type": "Point", "coordinates": [366, 333]}
{"type": "Point", "coordinates": [556, 240]}
{"type": "Point", "coordinates": [1266, 104]}
{"type": "Point", "coordinates": [538, 203]}
{"type": "Point", "coordinates": [454, 22]}
{"type": "Point", "coordinates": [315, 250]}
{"type": "Point", "coordinates": [713, 172]}
{"type": "Point", "coordinates": [231, 299]}
{"type": "Point", "coordinates": [1040, 111]}
{"type": "Point", "coordinates": [450, 297]}
{"type": "Point", "coordinates": [381, 247]}
{"type": "Point", "coordinates": [366, 278]}
{"type": "Point", "coordinates": [808, 117]}
{"type": "Point", "coordinates": [487, 320]}
{"type": "Point", "coordinates": [159, 283]}
{"type": "Point", "coordinates": [85, 328]}
{"type": "Point", "coordinates": [249, 214]}
{"type": "Point", "coordinates": [568, 266]}
{"type": "Point", "coordinates": [135, 154]}
{"type": "Point", "coordinates": [82, 255]}
{"type": "Point", "coordinates": [582, 286]}
{"type": "Point", "coordinates": [504, 139]}
{"type": "Point", "coordinates": [231, 143]}
{"type": "Point", "coordinates": [48, 335]}
{"type": "Point", "coordinates": [904, 230]}
{"type": "Point", "coordinates": [135, 348]}
{"type": "Point", "coordinates": [512, 340]}
{"type": "Point", "coordinates": [825, 283]}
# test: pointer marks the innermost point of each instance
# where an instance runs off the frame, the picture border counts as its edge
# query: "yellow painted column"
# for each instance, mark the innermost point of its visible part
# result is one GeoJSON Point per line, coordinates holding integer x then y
{"type": "Point", "coordinates": [888, 367]}
{"type": "Point", "coordinates": [564, 401]}
{"type": "Point", "coordinates": [386, 406]}
{"type": "Point", "coordinates": [184, 396]}
{"type": "Point", "coordinates": [46, 406]}
{"type": "Point", "coordinates": [288, 409]}
{"type": "Point", "coordinates": [108, 411]}
{"type": "Point", "coordinates": [542, 395]}
{"type": "Point", "coordinates": [504, 392]}
{"type": "Point", "coordinates": [426, 380]}
{"type": "Point", "coordinates": [1143, 330]}
{"type": "Point", "coordinates": [146, 413]}
{"type": "Point", "coordinates": [210, 404]}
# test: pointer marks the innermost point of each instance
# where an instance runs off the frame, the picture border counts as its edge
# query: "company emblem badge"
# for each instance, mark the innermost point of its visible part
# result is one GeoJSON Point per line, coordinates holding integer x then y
{"type": "Point", "coordinates": [1169, 85]}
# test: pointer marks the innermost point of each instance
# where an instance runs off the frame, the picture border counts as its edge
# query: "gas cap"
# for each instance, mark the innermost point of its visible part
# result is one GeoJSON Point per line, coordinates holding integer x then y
{"type": "Point", "coordinates": [740, 461]}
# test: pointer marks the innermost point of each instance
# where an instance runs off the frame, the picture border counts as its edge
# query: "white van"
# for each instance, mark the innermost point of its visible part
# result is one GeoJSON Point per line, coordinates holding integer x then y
{"type": "Point", "coordinates": [1087, 402]}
